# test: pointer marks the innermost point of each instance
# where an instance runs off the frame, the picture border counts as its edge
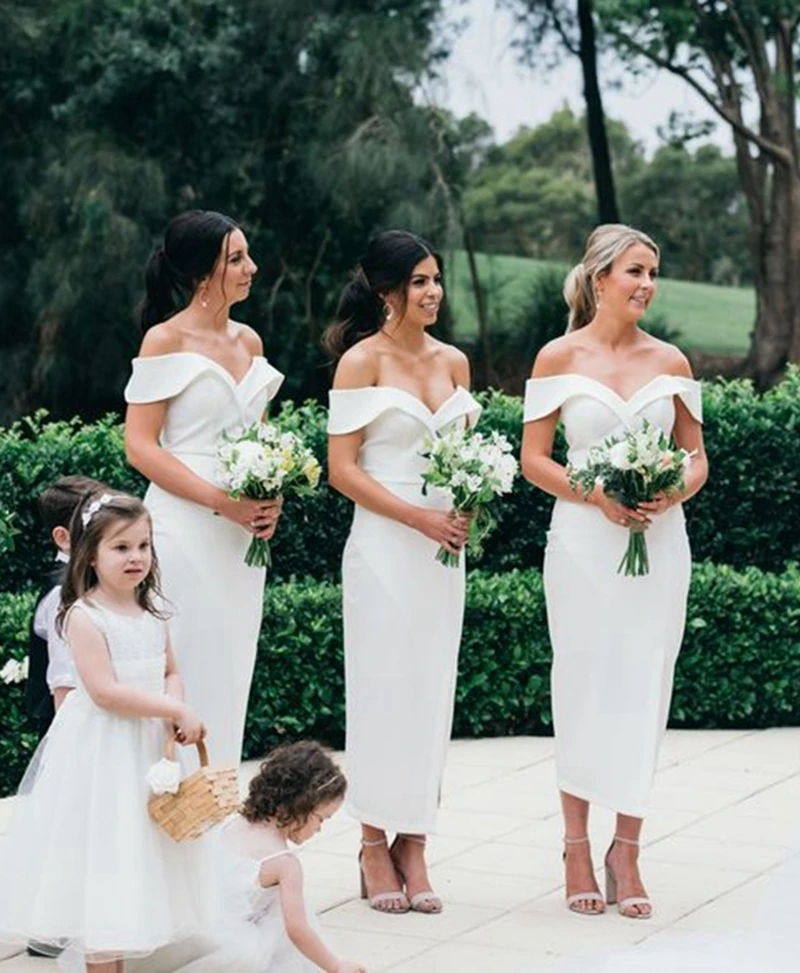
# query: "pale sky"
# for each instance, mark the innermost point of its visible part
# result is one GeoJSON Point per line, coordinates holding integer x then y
{"type": "Point", "coordinates": [482, 75]}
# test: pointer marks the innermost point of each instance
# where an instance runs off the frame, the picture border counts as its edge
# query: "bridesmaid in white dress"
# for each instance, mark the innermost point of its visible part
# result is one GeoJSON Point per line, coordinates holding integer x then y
{"type": "Point", "coordinates": [200, 374]}
{"type": "Point", "coordinates": [403, 610]}
{"type": "Point", "coordinates": [615, 639]}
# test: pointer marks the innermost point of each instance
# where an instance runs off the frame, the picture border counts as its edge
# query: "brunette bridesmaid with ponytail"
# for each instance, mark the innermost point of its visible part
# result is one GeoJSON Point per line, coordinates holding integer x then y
{"type": "Point", "coordinates": [403, 610]}
{"type": "Point", "coordinates": [199, 373]}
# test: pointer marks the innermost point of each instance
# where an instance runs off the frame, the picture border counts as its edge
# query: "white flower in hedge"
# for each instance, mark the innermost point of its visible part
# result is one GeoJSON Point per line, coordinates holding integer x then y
{"type": "Point", "coordinates": [14, 671]}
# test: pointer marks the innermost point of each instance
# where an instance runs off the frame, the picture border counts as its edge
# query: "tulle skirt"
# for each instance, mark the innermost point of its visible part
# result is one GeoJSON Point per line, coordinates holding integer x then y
{"type": "Point", "coordinates": [83, 866]}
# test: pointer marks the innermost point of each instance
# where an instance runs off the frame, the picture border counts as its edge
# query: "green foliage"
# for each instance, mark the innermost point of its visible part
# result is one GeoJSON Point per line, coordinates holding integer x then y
{"type": "Point", "coordinates": [692, 204]}
{"type": "Point", "coordinates": [521, 330]}
{"type": "Point", "coordinates": [298, 687]}
{"type": "Point", "coordinates": [752, 442]}
{"type": "Point", "coordinates": [535, 196]}
{"type": "Point", "coordinates": [118, 115]}
{"type": "Point", "coordinates": [739, 667]}
{"type": "Point", "coordinates": [17, 741]}
{"type": "Point", "coordinates": [33, 453]}
{"type": "Point", "coordinates": [706, 317]}
{"type": "Point", "coordinates": [740, 664]}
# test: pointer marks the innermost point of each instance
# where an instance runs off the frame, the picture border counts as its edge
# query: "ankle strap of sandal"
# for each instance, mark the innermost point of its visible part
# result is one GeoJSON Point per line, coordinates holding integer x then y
{"type": "Point", "coordinates": [374, 843]}
{"type": "Point", "coordinates": [577, 841]}
{"type": "Point", "coordinates": [414, 839]}
{"type": "Point", "coordinates": [626, 841]}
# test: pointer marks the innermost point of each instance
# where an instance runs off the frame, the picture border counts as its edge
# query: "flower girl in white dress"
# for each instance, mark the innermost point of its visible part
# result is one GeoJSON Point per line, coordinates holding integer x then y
{"type": "Point", "coordinates": [266, 926]}
{"type": "Point", "coordinates": [84, 868]}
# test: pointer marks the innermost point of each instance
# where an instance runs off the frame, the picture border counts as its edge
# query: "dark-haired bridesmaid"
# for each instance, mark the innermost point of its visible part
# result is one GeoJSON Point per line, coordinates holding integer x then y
{"type": "Point", "coordinates": [199, 374]}
{"type": "Point", "coordinates": [403, 611]}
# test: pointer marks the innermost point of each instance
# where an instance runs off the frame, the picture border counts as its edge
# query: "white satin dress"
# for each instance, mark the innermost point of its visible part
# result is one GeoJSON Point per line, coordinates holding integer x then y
{"type": "Point", "coordinates": [615, 639]}
{"type": "Point", "coordinates": [215, 597]}
{"type": "Point", "coordinates": [403, 615]}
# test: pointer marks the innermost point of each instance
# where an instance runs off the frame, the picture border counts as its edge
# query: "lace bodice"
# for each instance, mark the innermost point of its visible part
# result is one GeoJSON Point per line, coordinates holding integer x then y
{"type": "Point", "coordinates": [137, 645]}
{"type": "Point", "coordinates": [591, 411]}
{"type": "Point", "coordinates": [204, 400]}
{"type": "Point", "coordinates": [395, 425]}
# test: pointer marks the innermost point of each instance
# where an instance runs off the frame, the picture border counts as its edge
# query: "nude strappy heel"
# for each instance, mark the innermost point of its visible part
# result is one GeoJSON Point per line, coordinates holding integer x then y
{"type": "Point", "coordinates": [611, 888]}
{"type": "Point", "coordinates": [426, 901]}
{"type": "Point", "coordinates": [573, 900]}
{"type": "Point", "coordinates": [381, 900]}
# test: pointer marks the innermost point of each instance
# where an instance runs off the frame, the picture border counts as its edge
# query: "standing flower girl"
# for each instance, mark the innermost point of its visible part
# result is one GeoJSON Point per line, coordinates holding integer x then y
{"type": "Point", "coordinates": [84, 867]}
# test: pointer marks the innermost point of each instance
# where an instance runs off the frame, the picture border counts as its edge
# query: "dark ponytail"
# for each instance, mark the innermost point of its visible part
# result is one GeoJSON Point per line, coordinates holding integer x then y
{"type": "Point", "coordinates": [360, 313]}
{"type": "Point", "coordinates": [192, 245]}
{"type": "Point", "coordinates": [386, 267]}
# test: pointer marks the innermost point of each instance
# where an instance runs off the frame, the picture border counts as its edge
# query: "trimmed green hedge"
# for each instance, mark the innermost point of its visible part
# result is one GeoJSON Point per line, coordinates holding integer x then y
{"type": "Point", "coordinates": [740, 664]}
{"type": "Point", "coordinates": [17, 742]}
{"type": "Point", "coordinates": [747, 515]}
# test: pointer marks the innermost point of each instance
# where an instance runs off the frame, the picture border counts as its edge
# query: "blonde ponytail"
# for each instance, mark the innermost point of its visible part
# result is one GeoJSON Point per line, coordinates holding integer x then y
{"type": "Point", "coordinates": [579, 295]}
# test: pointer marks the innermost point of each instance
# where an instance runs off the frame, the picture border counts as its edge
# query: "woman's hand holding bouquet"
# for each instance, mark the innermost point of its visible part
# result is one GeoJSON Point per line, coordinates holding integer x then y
{"type": "Point", "coordinates": [642, 472]}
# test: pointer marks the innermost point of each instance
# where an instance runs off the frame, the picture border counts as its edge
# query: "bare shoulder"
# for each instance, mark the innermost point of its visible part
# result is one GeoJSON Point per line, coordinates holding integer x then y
{"type": "Point", "coordinates": [556, 357]}
{"type": "Point", "coordinates": [358, 367]}
{"type": "Point", "coordinates": [457, 362]}
{"type": "Point", "coordinates": [78, 624]}
{"type": "Point", "coordinates": [161, 339]}
{"type": "Point", "coordinates": [284, 869]}
{"type": "Point", "coordinates": [250, 337]}
{"type": "Point", "coordinates": [671, 360]}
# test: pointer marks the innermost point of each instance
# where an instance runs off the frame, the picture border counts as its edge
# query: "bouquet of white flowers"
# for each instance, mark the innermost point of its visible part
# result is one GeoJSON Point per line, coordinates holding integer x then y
{"type": "Point", "coordinates": [473, 469]}
{"type": "Point", "coordinates": [261, 462]}
{"type": "Point", "coordinates": [634, 469]}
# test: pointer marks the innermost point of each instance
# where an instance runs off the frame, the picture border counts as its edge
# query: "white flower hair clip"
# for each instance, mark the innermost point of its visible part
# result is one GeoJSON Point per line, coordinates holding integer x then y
{"type": "Point", "coordinates": [94, 506]}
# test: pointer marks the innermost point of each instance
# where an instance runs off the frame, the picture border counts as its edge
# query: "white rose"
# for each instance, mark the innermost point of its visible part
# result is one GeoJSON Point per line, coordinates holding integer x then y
{"type": "Point", "coordinates": [618, 456]}
{"type": "Point", "coordinates": [164, 777]}
{"type": "Point", "coordinates": [14, 671]}
{"type": "Point", "coordinates": [248, 453]}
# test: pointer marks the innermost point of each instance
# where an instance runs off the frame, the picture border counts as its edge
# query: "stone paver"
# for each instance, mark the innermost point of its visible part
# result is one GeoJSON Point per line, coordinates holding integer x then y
{"type": "Point", "coordinates": [724, 818]}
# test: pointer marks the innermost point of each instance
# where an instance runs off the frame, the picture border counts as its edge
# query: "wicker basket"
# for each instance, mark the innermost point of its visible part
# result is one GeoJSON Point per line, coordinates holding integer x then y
{"type": "Point", "coordinates": [203, 799]}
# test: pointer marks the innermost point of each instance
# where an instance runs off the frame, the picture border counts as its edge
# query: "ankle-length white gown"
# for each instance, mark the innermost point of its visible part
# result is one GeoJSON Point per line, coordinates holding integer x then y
{"type": "Point", "coordinates": [403, 615]}
{"type": "Point", "coordinates": [615, 639]}
{"type": "Point", "coordinates": [215, 597]}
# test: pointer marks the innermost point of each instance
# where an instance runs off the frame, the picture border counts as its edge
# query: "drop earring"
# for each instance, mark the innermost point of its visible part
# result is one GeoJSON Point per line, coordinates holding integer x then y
{"type": "Point", "coordinates": [388, 312]}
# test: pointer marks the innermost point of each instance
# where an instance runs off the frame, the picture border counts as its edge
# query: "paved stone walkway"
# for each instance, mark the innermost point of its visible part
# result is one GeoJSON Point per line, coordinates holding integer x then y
{"type": "Point", "coordinates": [725, 816]}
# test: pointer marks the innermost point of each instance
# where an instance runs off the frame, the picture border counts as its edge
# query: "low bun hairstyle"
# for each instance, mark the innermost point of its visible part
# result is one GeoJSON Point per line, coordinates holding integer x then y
{"type": "Point", "coordinates": [605, 244]}
{"type": "Point", "coordinates": [387, 266]}
{"type": "Point", "coordinates": [192, 244]}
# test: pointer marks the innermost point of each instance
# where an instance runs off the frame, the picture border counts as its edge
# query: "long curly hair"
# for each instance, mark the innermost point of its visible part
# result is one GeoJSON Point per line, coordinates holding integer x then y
{"type": "Point", "coordinates": [292, 782]}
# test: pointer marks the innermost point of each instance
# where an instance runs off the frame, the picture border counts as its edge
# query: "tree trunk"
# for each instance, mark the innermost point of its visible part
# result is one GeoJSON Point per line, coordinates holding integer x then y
{"type": "Point", "coordinates": [607, 209]}
{"type": "Point", "coordinates": [774, 204]}
{"type": "Point", "coordinates": [484, 364]}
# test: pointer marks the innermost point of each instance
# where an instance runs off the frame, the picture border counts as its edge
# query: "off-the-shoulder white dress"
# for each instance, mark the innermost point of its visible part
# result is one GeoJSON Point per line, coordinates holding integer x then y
{"type": "Point", "coordinates": [403, 614]}
{"type": "Point", "coordinates": [216, 598]}
{"type": "Point", "coordinates": [615, 639]}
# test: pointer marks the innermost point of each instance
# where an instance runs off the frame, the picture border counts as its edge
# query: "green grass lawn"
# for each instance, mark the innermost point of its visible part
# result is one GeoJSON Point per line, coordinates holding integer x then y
{"type": "Point", "coordinates": [712, 319]}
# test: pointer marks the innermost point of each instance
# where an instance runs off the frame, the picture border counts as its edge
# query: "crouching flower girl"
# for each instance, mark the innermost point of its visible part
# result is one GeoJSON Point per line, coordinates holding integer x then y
{"type": "Point", "coordinates": [83, 867]}
{"type": "Point", "coordinates": [266, 925]}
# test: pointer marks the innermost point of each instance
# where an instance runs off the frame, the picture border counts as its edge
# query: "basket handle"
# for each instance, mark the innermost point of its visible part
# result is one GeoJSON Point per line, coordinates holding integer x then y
{"type": "Point", "coordinates": [202, 750]}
